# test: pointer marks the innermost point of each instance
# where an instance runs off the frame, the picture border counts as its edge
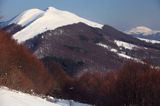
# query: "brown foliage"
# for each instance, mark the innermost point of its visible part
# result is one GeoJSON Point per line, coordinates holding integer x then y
{"type": "Point", "coordinates": [138, 84]}
{"type": "Point", "coordinates": [21, 70]}
{"type": "Point", "coordinates": [134, 85]}
{"type": "Point", "coordinates": [61, 79]}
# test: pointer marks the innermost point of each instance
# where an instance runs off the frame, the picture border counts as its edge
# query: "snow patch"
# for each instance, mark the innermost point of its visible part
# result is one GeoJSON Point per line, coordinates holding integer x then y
{"type": "Point", "coordinates": [120, 54]}
{"type": "Point", "coordinates": [107, 47]}
{"type": "Point", "coordinates": [102, 45]}
{"type": "Point", "coordinates": [114, 50]}
{"type": "Point", "coordinates": [124, 55]}
{"type": "Point", "coordinates": [125, 45]}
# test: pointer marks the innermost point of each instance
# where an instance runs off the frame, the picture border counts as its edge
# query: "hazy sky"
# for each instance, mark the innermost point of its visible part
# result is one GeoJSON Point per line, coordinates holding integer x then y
{"type": "Point", "coordinates": [122, 14]}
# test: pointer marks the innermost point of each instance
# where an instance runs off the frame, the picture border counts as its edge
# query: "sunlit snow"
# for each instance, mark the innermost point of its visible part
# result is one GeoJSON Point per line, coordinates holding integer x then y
{"type": "Point", "coordinates": [125, 45]}
{"type": "Point", "coordinates": [120, 54]}
{"type": "Point", "coordinates": [142, 30]}
{"type": "Point", "coordinates": [14, 98]}
{"type": "Point", "coordinates": [51, 19]}
{"type": "Point", "coordinates": [27, 17]}
{"type": "Point", "coordinates": [149, 41]}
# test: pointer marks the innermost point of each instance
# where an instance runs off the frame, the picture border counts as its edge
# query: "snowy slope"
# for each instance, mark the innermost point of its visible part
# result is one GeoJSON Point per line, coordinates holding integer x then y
{"type": "Point", "coordinates": [27, 17]}
{"type": "Point", "coordinates": [115, 51]}
{"type": "Point", "coordinates": [149, 41]}
{"type": "Point", "coordinates": [51, 19]}
{"type": "Point", "coordinates": [125, 45]}
{"type": "Point", "coordinates": [14, 98]}
{"type": "Point", "coordinates": [119, 53]}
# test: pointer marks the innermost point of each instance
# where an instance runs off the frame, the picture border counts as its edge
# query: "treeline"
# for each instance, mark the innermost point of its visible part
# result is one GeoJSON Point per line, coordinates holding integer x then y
{"type": "Point", "coordinates": [134, 85]}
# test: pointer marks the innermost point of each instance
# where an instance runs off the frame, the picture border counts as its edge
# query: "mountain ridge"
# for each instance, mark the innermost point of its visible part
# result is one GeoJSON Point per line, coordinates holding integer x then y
{"type": "Point", "coordinates": [49, 19]}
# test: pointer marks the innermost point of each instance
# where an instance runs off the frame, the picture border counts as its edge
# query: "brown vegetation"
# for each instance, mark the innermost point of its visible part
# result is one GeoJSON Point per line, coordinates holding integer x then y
{"type": "Point", "coordinates": [60, 77]}
{"type": "Point", "coordinates": [19, 69]}
{"type": "Point", "coordinates": [134, 85]}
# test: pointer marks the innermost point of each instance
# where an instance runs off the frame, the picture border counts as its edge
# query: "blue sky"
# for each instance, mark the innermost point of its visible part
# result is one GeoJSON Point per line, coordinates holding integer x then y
{"type": "Point", "coordinates": [122, 14]}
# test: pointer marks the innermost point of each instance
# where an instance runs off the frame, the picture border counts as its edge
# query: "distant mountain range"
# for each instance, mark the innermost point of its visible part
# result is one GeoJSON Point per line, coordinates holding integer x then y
{"type": "Point", "coordinates": [144, 32]}
{"type": "Point", "coordinates": [77, 43]}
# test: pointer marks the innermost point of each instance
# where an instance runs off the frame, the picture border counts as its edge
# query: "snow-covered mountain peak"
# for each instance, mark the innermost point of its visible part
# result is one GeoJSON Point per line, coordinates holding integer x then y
{"type": "Point", "coordinates": [52, 9]}
{"type": "Point", "coordinates": [50, 19]}
{"type": "Point", "coordinates": [142, 30]}
{"type": "Point", "coordinates": [27, 17]}
{"type": "Point", "coordinates": [56, 12]}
